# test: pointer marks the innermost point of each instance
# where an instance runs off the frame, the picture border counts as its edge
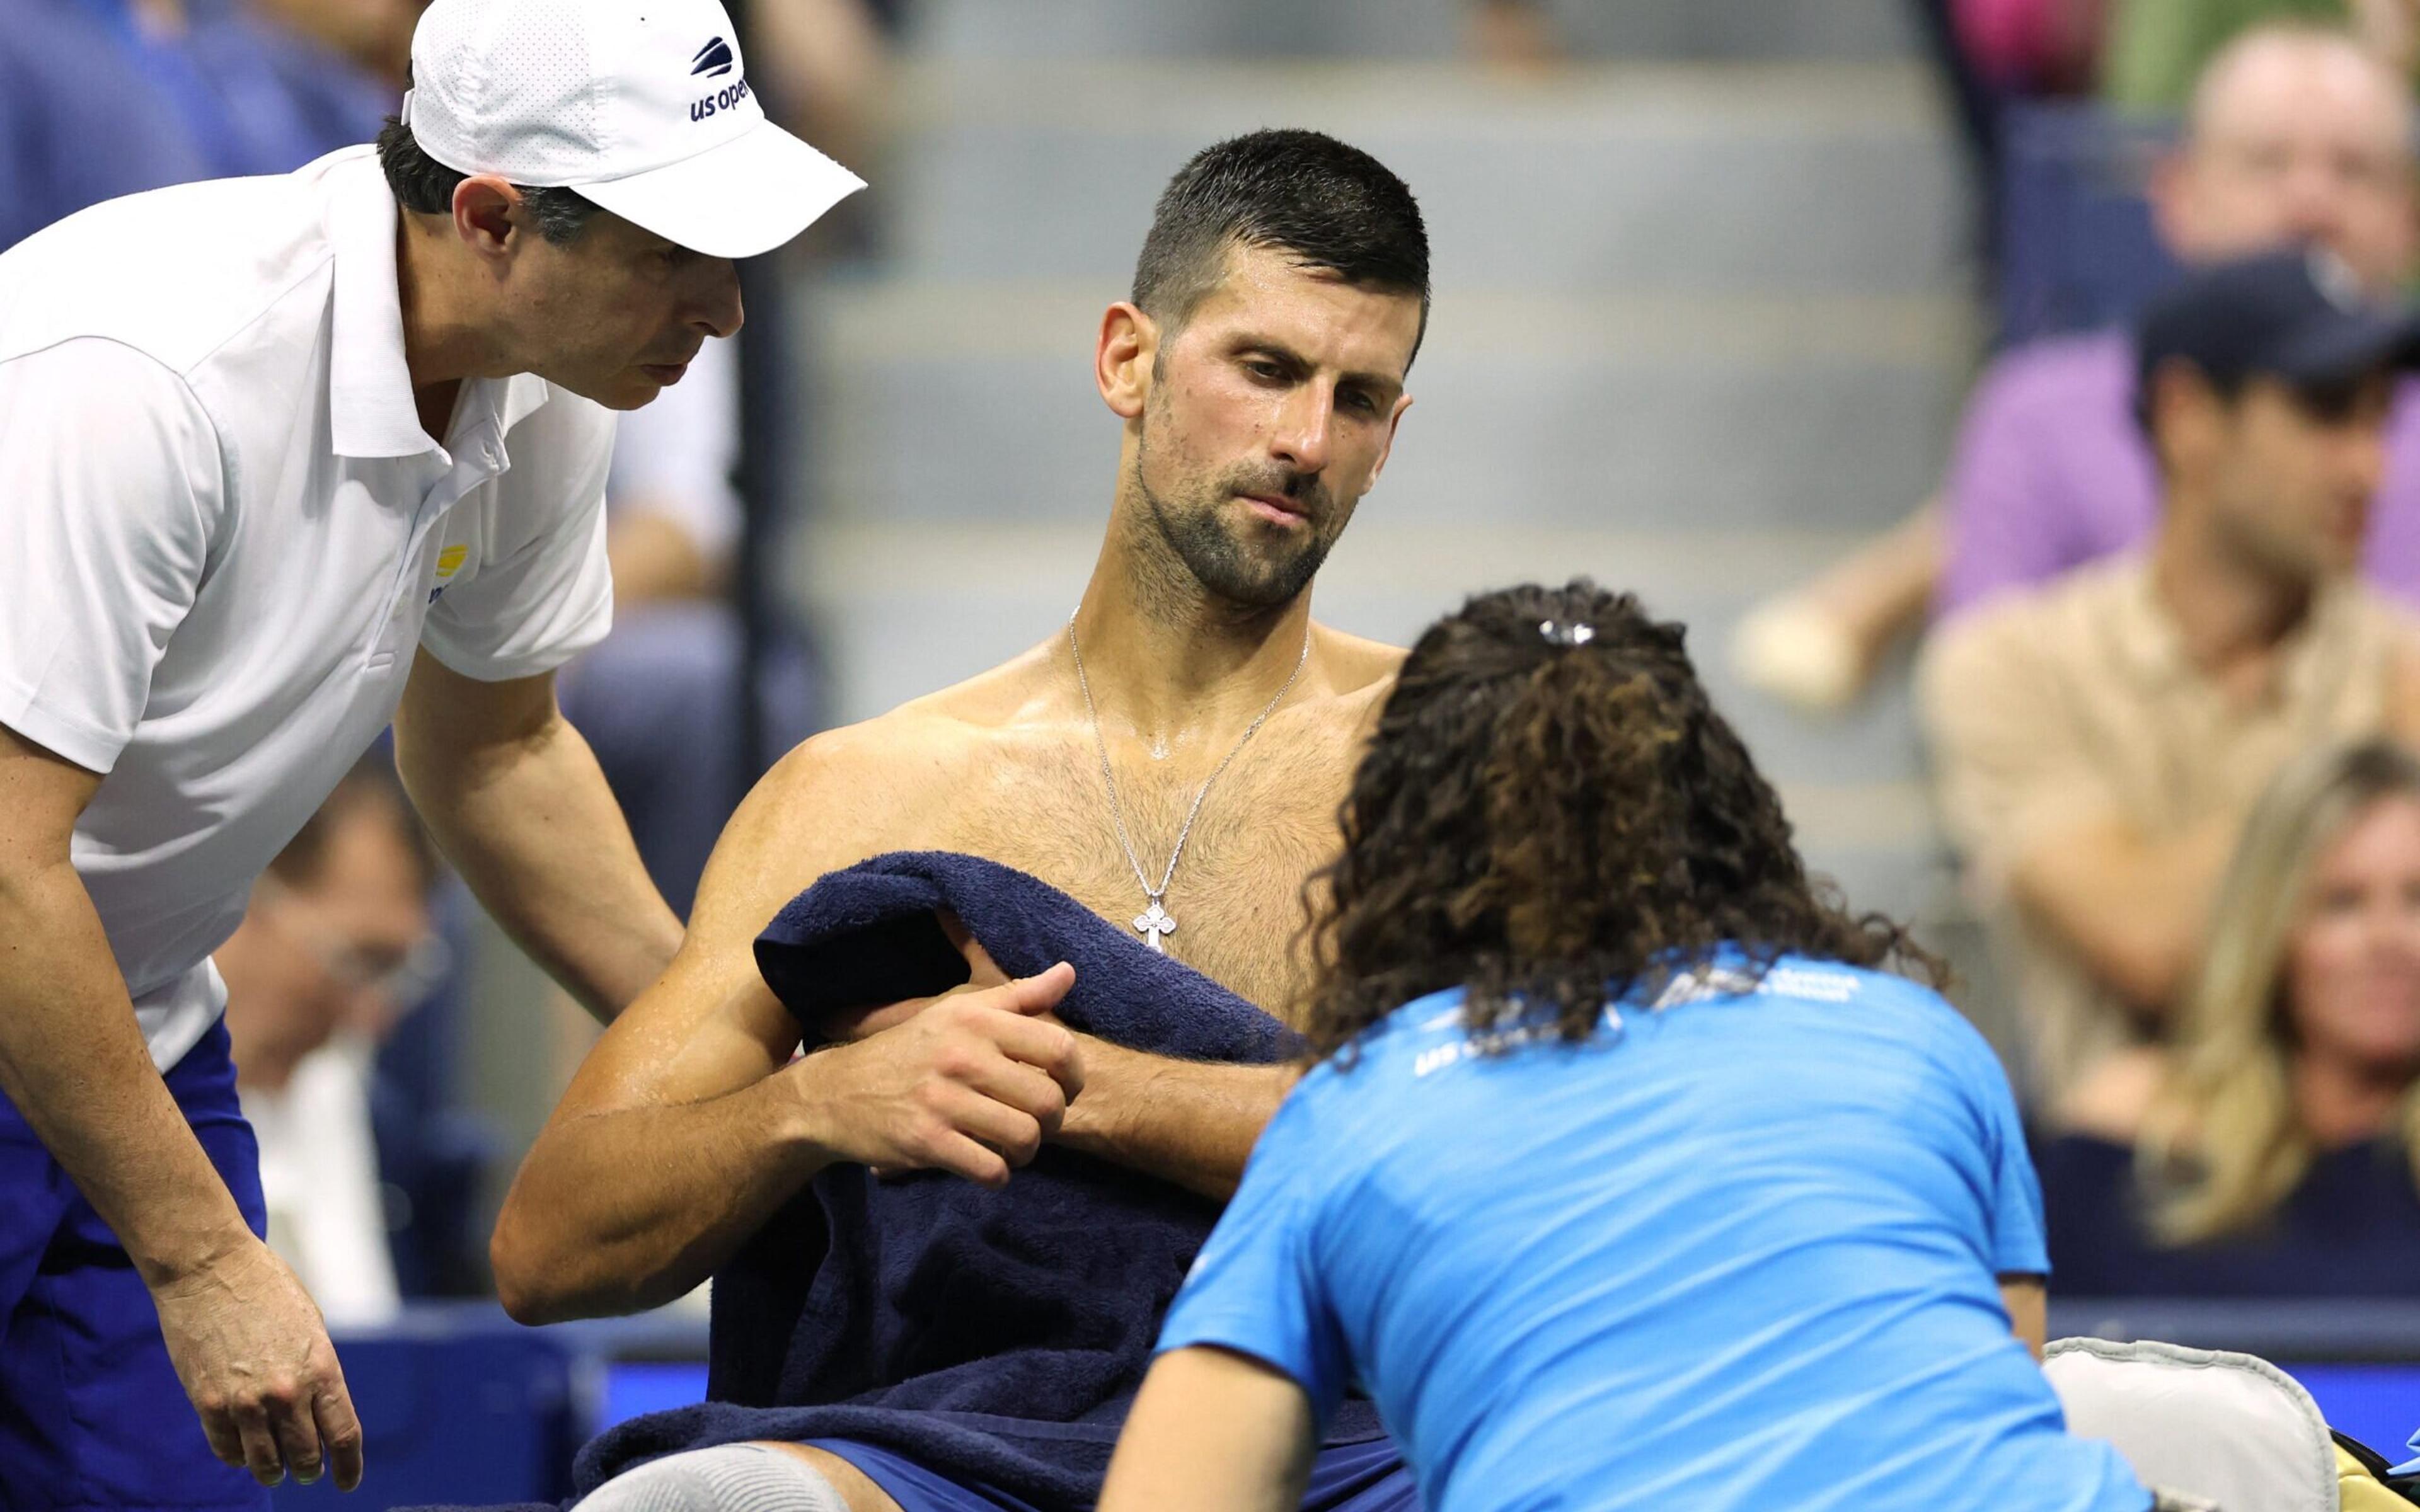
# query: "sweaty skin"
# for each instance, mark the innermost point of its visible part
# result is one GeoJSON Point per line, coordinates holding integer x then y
{"type": "Point", "coordinates": [1253, 429]}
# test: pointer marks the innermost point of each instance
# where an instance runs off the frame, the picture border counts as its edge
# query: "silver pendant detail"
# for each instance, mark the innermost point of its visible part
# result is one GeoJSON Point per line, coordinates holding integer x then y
{"type": "Point", "coordinates": [1154, 924]}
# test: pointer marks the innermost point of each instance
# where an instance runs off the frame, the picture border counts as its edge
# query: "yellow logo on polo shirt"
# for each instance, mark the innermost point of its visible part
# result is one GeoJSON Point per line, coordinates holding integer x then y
{"type": "Point", "coordinates": [449, 562]}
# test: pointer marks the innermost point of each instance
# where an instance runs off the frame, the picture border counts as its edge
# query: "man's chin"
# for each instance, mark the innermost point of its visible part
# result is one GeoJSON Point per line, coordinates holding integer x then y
{"type": "Point", "coordinates": [625, 390]}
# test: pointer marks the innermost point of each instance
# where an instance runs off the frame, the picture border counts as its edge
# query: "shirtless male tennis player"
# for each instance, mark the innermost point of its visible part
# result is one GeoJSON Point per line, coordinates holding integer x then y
{"type": "Point", "coordinates": [1259, 370]}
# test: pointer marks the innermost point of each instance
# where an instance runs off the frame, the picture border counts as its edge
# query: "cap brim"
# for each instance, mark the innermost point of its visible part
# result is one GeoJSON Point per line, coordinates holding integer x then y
{"type": "Point", "coordinates": [745, 197]}
{"type": "Point", "coordinates": [2348, 346]}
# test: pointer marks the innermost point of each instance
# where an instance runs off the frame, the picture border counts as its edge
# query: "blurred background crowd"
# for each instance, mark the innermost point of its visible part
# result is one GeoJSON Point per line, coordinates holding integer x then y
{"type": "Point", "coordinates": [1808, 320]}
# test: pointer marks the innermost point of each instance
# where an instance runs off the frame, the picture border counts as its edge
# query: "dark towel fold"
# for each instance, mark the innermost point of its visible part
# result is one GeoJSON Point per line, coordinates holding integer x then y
{"type": "Point", "coordinates": [989, 1336]}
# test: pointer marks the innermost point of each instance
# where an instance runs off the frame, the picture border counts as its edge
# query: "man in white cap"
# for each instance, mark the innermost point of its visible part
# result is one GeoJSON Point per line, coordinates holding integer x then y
{"type": "Point", "coordinates": [283, 459]}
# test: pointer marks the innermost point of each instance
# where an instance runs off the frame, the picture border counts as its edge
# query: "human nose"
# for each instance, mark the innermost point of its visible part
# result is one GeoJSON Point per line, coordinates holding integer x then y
{"type": "Point", "coordinates": [2314, 203]}
{"type": "Point", "coordinates": [1304, 423]}
{"type": "Point", "coordinates": [718, 311]}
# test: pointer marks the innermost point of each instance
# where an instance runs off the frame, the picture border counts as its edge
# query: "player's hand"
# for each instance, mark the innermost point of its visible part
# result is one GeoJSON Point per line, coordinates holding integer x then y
{"type": "Point", "coordinates": [251, 1349]}
{"type": "Point", "coordinates": [973, 1082]}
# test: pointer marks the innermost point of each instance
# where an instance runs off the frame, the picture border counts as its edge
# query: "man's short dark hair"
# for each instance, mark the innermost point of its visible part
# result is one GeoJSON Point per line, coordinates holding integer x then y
{"type": "Point", "coordinates": [424, 184]}
{"type": "Point", "coordinates": [1328, 204]}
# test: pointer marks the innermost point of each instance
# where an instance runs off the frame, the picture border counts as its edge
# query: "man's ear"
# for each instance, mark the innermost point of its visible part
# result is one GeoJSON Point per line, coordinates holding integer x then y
{"type": "Point", "coordinates": [486, 212]}
{"type": "Point", "coordinates": [1402, 402]}
{"type": "Point", "coordinates": [2188, 416]}
{"type": "Point", "coordinates": [1121, 363]}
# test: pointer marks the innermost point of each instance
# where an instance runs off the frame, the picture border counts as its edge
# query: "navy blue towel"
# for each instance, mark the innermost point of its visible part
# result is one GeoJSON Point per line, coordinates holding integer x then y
{"type": "Point", "coordinates": [993, 1336]}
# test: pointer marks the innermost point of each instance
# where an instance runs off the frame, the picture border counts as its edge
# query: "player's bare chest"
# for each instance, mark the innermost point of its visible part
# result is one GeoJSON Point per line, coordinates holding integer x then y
{"type": "Point", "coordinates": [1233, 902]}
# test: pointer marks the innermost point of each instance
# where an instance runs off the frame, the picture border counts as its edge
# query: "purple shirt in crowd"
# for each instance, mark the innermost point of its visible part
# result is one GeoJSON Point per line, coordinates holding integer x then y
{"type": "Point", "coordinates": [2052, 472]}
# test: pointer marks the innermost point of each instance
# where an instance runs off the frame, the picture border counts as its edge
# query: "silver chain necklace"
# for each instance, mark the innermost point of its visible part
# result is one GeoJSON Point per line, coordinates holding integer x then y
{"type": "Point", "coordinates": [1153, 923]}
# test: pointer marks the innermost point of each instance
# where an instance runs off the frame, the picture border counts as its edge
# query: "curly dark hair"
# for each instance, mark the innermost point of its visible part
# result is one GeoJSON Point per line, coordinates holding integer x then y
{"type": "Point", "coordinates": [1552, 815]}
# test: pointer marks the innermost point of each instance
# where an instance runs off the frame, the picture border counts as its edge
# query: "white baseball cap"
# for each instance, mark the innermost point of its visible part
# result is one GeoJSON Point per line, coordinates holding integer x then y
{"type": "Point", "coordinates": [641, 106]}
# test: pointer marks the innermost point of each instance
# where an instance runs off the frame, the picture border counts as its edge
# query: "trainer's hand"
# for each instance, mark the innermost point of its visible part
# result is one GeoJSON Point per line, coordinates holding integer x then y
{"type": "Point", "coordinates": [972, 1084]}
{"type": "Point", "coordinates": [252, 1352]}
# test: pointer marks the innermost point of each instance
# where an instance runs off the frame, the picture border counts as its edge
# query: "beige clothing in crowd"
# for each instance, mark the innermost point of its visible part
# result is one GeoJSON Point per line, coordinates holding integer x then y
{"type": "Point", "coordinates": [2051, 710]}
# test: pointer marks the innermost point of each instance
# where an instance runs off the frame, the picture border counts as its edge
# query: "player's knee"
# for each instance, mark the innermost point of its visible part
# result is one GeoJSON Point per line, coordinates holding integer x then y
{"type": "Point", "coordinates": [735, 1477]}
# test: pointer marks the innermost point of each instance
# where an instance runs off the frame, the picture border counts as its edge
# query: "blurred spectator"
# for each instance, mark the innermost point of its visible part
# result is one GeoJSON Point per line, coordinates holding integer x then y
{"type": "Point", "coordinates": [2096, 741]}
{"type": "Point", "coordinates": [2026, 47]}
{"type": "Point", "coordinates": [337, 941]}
{"type": "Point", "coordinates": [161, 92]}
{"type": "Point", "coordinates": [1515, 36]}
{"type": "Point", "coordinates": [2157, 48]}
{"type": "Point", "coordinates": [1993, 52]}
{"type": "Point", "coordinates": [373, 36]}
{"type": "Point", "coordinates": [2275, 1150]}
{"type": "Point", "coordinates": [2296, 134]}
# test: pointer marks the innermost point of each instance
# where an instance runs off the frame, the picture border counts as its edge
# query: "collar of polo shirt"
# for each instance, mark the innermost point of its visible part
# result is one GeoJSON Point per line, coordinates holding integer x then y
{"type": "Point", "coordinates": [371, 408]}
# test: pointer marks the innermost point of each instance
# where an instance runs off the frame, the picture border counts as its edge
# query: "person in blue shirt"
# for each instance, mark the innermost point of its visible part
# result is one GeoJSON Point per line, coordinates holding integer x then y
{"type": "Point", "coordinates": [1626, 1179]}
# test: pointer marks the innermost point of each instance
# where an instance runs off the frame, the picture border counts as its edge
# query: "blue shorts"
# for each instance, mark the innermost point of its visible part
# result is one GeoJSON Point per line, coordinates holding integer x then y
{"type": "Point", "coordinates": [91, 1412]}
{"type": "Point", "coordinates": [1349, 1477]}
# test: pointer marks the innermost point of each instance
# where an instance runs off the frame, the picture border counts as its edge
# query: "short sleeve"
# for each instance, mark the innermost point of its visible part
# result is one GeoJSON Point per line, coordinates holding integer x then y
{"type": "Point", "coordinates": [1255, 1287]}
{"type": "Point", "coordinates": [110, 486]}
{"type": "Point", "coordinates": [549, 596]}
{"type": "Point", "coordinates": [2013, 1198]}
{"type": "Point", "coordinates": [2010, 770]}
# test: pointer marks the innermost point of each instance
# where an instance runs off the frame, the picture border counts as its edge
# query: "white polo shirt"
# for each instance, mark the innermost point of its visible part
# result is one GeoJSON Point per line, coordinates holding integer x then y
{"type": "Point", "coordinates": [223, 534]}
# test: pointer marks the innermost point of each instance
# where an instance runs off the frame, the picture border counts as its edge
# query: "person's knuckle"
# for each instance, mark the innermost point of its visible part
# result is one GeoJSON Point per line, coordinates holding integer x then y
{"type": "Point", "coordinates": [343, 1440]}
{"type": "Point", "coordinates": [1025, 1143]}
{"type": "Point", "coordinates": [926, 1132]}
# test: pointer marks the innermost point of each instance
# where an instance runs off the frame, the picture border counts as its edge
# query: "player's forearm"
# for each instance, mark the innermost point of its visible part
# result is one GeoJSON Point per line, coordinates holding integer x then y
{"type": "Point", "coordinates": [73, 1062]}
{"type": "Point", "coordinates": [535, 831]}
{"type": "Point", "coordinates": [1190, 1122]}
{"type": "Point", "coordinates": [619, 1212]}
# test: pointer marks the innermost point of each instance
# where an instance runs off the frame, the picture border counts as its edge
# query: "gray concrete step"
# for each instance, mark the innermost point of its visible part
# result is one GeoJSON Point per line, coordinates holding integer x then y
{"type": "Point", "coordinates": [1734, 177]}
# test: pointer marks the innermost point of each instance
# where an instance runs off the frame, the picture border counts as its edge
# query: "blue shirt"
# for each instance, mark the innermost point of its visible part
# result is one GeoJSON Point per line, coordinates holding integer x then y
{"type": "Point", "coordinates": [1740, 1250]}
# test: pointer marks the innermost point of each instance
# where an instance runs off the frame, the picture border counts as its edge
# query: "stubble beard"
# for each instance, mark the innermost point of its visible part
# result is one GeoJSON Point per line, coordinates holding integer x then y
{"type": "Point", "coordinates": [1216, 560]}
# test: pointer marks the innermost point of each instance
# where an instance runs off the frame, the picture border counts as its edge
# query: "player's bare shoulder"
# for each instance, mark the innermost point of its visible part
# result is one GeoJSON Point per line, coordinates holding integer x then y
{"type": "Point", "coordinates": [898, 781]}
{"type": "Point", "coordinates": [1359, 674]}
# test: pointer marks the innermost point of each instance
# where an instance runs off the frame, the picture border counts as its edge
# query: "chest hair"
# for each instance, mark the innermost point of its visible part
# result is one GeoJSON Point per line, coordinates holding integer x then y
{"type": "Point", "coordinates": [1268, 825]}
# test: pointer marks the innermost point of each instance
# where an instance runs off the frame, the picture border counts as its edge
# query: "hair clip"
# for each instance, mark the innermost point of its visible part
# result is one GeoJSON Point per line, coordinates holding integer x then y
{"type": "Point", "coordinates": [1576, 633]}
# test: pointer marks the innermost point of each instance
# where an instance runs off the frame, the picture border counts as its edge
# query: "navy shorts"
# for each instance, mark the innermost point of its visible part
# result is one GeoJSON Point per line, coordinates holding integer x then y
{"type": "Point", "coordinates": [1349, 1477]}
{"type": "Point", "coordinates": [91, 1412]}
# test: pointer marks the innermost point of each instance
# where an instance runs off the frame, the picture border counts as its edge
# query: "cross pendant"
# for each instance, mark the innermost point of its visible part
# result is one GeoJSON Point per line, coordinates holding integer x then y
{"type": "Point", "coordinates": [1155, 925]}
